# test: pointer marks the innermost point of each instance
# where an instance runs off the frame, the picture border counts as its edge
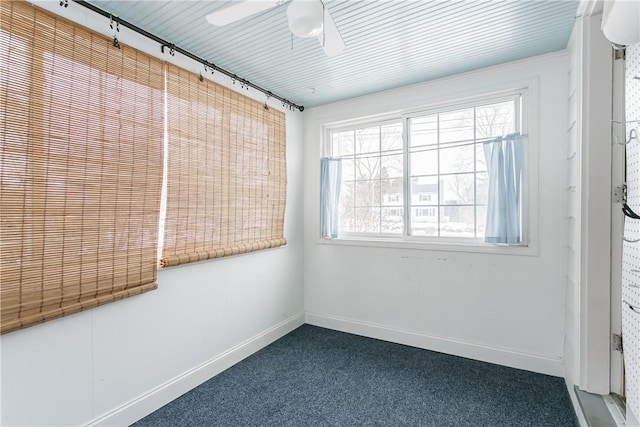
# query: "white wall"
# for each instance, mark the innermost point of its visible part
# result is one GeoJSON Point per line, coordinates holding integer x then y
{"type": "Point", "coordinates": [116, 363]}
{"type": "Point", "coordinates": [507, 309]}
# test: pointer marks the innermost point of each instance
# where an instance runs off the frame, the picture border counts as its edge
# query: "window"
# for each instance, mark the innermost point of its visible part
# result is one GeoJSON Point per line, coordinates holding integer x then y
{"type": "Point", "coordinates": [427, 212]}
{"type": "Point", "coordinates": [393, 211]}
{"type": "Point", "coordinates": [424, 175]}
{"type": "Point", "coordinates": [371, 195]}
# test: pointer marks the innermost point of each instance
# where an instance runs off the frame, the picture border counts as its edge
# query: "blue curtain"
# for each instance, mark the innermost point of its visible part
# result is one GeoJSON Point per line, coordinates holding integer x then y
{"type": "Point", "coordinates": [330, 180]}
{"type": "Point", "coordinates": [504, 165]}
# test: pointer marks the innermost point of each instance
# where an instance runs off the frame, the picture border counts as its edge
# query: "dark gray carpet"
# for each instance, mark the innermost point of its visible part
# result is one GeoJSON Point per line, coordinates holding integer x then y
{"type": "Point", "coordinates": [320, 377]}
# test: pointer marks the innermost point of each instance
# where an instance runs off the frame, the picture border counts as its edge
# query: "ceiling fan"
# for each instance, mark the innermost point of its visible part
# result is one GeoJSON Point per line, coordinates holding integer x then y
{"type": "Point", "coordinates": [307, 18]}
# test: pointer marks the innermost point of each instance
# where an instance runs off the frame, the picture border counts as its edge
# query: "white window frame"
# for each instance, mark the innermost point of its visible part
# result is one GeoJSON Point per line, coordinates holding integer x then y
{"type": "Point", "coordinates": [528, 114]}
{"type": "Point", "coordinates": [327, 148]}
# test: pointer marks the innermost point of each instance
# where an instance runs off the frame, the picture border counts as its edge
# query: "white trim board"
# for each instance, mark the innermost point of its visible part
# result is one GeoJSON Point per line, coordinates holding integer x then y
{"type": "Point", "coordinates": [499, 356]}
{"type": "Point", "coordinates": [154, 399]}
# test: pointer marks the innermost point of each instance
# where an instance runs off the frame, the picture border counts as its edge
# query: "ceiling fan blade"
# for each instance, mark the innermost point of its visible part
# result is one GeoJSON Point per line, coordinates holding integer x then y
{"type": "Point", "coordinates": [240, 10]}
{"type": "Point", "coordinates": [330, 38]}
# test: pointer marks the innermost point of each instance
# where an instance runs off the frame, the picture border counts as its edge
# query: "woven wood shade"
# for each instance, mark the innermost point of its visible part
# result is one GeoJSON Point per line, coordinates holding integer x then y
{"type": "Point", "coordinates": [226, 184]}
{"type": "Point", "coordinates": [81, 145]}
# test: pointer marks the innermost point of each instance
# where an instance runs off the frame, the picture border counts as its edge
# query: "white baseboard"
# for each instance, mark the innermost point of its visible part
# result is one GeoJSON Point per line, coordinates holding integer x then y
{"type": "Point", "coordinates": [154, 399]}
{"type": "Point", "coordinates": [499, 356]}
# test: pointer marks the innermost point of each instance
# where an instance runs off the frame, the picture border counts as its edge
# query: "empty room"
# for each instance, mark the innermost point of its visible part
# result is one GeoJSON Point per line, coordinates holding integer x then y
{"type": "Point", "coordinates": [320, 213]}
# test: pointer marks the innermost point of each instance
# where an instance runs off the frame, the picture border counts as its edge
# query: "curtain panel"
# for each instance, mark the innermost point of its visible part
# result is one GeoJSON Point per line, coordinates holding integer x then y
{"type": "Point", "coordinates": [504, 165]}
{"type": "Point", "coordinates": [330, 182]}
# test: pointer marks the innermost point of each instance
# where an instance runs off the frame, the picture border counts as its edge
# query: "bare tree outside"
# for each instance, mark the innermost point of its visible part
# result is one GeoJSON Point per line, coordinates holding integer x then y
{"type": "Point", "coordinates": [372, 175]}
{"type": "Point", "coordinates": [468, 183]}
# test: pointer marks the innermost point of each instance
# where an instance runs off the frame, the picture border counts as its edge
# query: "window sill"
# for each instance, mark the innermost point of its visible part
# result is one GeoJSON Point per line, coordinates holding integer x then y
{"type": "Point", "coordinates": [415, 244]}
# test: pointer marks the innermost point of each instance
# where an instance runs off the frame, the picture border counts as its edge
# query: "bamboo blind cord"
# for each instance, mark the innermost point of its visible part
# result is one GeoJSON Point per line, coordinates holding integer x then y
{"type": "Point", "coordinates": [226, 179]}
{"type": "Point", "coordinates": [80, 167]}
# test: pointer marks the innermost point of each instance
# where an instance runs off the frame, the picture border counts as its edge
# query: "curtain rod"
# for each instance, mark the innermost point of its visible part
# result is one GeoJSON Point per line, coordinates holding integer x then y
{"type": "Point", "coordinates": [173, 48]}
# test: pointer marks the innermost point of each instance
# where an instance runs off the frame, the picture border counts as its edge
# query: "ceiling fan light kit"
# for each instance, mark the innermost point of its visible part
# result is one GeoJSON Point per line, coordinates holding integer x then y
{"type": "Point", "coordinates": [305, 18]}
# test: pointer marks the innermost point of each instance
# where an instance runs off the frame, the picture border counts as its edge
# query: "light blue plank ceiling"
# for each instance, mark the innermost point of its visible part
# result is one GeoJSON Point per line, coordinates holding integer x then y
{"type": "Point", "coordinates": [388, 43]}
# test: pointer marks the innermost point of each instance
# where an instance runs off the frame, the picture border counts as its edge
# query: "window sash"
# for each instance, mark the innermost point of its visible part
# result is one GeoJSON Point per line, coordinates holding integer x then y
{"type": "Point", "coordinates": [519, 100]}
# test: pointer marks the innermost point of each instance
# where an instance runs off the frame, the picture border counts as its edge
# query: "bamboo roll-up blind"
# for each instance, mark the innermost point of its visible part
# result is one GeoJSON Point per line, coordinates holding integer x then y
{"type": "Point", "coordinates": [226, 184]}
{"type": "Point", "coordinates": [81, 152]}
